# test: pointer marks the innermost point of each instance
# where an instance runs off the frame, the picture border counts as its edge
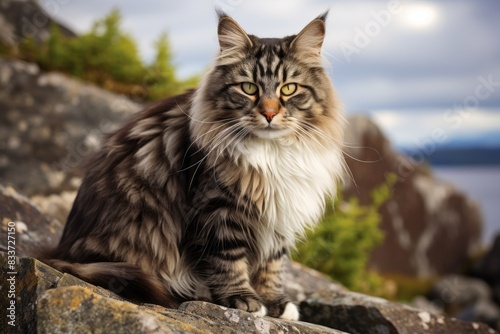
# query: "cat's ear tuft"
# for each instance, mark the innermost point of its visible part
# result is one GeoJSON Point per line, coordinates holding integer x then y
{"type": "Point", "coordinates": [232, 38]}
{"type": "Point", "coordinates": [311, 38]}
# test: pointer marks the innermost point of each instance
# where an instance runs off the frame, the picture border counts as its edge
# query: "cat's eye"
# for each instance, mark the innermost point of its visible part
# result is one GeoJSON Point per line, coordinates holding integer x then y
{"type": "Point", "coordinates": [249, 88]}
{"type": "Point", "coordinates": [288, 89]}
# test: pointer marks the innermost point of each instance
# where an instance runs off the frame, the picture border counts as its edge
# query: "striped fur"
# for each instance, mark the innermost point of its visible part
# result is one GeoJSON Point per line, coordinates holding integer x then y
{"type": "Point", "coordinates": [204, 193]}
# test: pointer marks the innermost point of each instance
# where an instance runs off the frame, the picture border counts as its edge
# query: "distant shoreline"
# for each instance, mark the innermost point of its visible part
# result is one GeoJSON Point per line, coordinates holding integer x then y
{"type": "Point", "coordinates": [458, 156]}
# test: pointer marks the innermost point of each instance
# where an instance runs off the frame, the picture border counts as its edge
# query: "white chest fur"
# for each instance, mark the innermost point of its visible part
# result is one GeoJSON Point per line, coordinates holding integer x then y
{"type": "Point", "coordinates": [296, 179]}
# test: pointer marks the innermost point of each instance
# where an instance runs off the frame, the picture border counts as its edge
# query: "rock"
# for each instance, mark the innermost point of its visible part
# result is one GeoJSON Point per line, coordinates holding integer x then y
{"type": "Point", "coordinates": [302, 282]}
{"type": "Point", "coordinates": [360, 314]}
{"type": "Point", "coordinates": [73, 309]}
{"type": "Point", "coordinates": [31, 231]}
{"type": "Point", "coordinates": [245, 322]}
{"type": "Point", "coordinates": [77, 309]}
{"type": "Point", "coordinates": [61, 298]}
{"type": "Point", "coordinates": [456, 292]}
{"type": "Point", "coordinates": [48, 301]}
{"type": "Point", "coordinates": [55, 302]}
{"type": "Point", "coordinates": [55, 205]}
{"type": "Point", "coordinates": [485, 311]}
{"type": "Point", "coordinates": [488, 267]}
{"type": "Point", "coordinates": [21, 19]}
{"type": "Point", "coordinates": [49, 125]}
{"type": "Point", "coordinates": [430, 227]}
{"type": "Point", "coordinates": [25, 280]}
{"type": "Point", "coordinates": [423, 304]}
{"type": "Point", "coordinates": [467, 299]}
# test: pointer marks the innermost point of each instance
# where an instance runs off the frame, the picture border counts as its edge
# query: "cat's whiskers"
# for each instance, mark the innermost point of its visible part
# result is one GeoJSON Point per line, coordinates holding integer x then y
{"type": "Point", "coordinates": [192, 118]}
{"type": "Point", "coordinates": [199, 150]}
{"type": "Point", "coordinates": [344, 144]}
{"type": "Point", "coordinates": [220, 137]}
{"type": "Point", "coordinates": [237, 137]}
{"type": "Point", "coordinates": [196, 140]}
{"type": "Point", "coordinates": [345, 166]}
{"type": "Point", "coordinates": [320, 132]}
{"type": "Point", "coordinates": [303, 132]}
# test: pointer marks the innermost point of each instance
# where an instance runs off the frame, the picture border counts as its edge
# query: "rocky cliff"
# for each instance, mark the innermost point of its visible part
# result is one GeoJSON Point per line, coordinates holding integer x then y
{"type": "Point", "coordinates": [22, 19]}
{"type": "Point", "coordinates": [430, 227]}
{"type": "Point", "coordinates": [49, 125]}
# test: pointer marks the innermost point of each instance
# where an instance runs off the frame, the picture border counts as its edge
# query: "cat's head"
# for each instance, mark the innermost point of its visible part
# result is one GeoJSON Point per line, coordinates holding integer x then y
{"type": "Point", "coordinates": [268, 88]}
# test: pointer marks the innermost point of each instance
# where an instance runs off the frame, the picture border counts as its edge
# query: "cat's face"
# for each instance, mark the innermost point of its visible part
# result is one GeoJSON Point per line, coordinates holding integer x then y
{"type": "Point", "coordinates": [269, 87]}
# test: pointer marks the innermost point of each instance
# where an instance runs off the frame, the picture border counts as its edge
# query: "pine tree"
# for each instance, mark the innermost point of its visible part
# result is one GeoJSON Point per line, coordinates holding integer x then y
{"type": "Point", "coordinates": [162, 72]}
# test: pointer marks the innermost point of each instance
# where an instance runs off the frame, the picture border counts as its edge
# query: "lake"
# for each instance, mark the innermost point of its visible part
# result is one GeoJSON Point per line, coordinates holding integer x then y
{"type": "Point", "coordinates": [482, 183]}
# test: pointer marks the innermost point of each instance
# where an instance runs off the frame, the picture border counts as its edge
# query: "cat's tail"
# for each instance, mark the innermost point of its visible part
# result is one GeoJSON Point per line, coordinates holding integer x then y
{"type": "Point", "coordinates": [124, 279]}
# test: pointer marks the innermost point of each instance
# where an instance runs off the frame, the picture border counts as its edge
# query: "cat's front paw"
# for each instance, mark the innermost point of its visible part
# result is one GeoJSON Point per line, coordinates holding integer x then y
{"type": "Point", "coordinates": [291, 312]}
{"type": "Point", "coordinates": [250, 304]}
{"type": "Point", "coordinates": [284, 310]}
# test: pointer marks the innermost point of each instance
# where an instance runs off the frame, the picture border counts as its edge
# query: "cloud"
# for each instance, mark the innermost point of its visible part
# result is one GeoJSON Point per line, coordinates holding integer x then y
{"type": "Point", "coordinates": [440, 126]}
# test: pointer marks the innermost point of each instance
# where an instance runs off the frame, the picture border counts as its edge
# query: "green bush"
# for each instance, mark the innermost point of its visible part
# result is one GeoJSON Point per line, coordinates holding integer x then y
{"type": "Point", "coordinates": [340, 245]}
{"type": "Point", "coordinates": [108, 57]}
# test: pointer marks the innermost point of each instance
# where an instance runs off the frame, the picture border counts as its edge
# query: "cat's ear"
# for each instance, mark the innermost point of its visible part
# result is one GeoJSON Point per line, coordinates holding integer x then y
{"type": "Point", "coordinates": [233, 40]}
{"type": "Point", "coordinates": [310, 39]}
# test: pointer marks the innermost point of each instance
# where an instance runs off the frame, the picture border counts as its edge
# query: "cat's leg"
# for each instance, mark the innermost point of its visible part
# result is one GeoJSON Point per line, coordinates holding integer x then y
{"type": "Point", "coordinates": [227, 275]}
{"type": "Point", "coordinates": [268, 283]}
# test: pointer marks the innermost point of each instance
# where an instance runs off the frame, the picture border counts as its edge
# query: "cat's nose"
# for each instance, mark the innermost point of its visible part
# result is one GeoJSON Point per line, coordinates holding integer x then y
{"type": "Point", "coordinates": [269, 115]}
{"type": "Point", "coordinates": [270, 108]}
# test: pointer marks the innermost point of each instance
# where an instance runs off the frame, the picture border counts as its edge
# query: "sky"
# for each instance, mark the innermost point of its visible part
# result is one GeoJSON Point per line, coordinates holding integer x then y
{"type": "Point", "coordinates": [424, 70]}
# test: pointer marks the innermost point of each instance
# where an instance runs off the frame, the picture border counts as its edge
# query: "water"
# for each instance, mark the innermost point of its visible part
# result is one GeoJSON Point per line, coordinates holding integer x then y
{"type": "Point", "coordinates": [483, 185]}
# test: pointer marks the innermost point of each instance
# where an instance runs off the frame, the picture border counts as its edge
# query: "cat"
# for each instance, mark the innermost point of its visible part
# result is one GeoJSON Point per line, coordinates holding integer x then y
{"type": "Point", "coordinates": [200, 196]}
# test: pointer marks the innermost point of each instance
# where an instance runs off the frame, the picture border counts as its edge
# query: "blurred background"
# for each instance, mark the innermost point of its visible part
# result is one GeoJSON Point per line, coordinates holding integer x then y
{"type": "Point", "coordinates": [419, 80]}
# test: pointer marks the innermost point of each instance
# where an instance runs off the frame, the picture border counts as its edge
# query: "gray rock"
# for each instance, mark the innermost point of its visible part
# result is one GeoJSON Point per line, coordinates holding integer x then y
{"type": "Point", "coordinates": [360, 314]}
{"type": "Point", "coordinates": [29, 230]}
{"type": "Point", "coordinates": [430, 228]}
{"type": "Point", "coordinates": [21, 19]}
{"type": "Point", "coordinates": [245, 322]}
{"type": "Point", "coordinates": [22, 282]}
{"type": "Point", "coordinates": [424, 304]}
{"type": "Point", "coordinates": [50, 125]}
{"type": "Point", "coordinates": [48, 301]}
{"type": "Point", "coordinates": [303, 282]}
{"type": "Point", "coordinates": [455, 292]}
{"type": "Point", "coordinates": [485, 311]}
{"type": "Point", "coordinates": [78, 309]}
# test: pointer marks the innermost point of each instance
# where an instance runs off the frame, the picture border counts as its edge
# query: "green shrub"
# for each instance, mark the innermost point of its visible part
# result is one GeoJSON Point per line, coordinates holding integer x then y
{"type": "Point", "coordinates": [162, 72]}
{"type": "Point", "coordinates": [108, 57]}
{"type": "Point", "coordinates": [340, 245]}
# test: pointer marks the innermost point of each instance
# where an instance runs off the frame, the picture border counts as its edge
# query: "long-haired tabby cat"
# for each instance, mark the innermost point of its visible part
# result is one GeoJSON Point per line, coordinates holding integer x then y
{"type": "Point", "coordinates": [201, 195]}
